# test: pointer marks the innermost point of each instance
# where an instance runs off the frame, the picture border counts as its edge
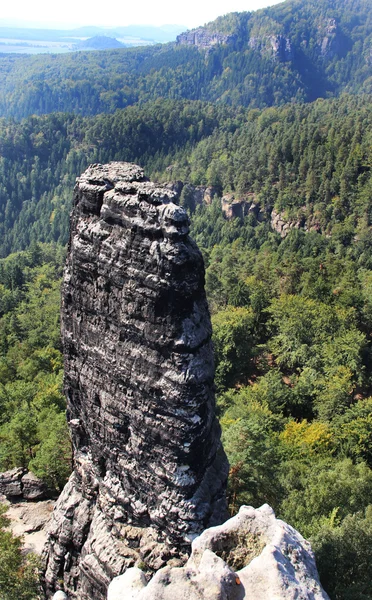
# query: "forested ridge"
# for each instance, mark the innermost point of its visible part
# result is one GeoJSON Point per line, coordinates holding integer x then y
{"type": "Point", "coordinates": [295, 51]}
{"type": "Point", "coordinates": [308, 161]}
{"type": "Point", "coordinates": [292, 315]}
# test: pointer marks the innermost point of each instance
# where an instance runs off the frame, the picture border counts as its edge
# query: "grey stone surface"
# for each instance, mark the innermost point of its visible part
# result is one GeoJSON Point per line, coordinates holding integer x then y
{"type": "Point", "coordinates": [30, 520]}
{"type": "Point", "coordinates": [132, 581]}
{"type": "Point", "coordinates": [251, 556]}
{"type": "Point", "coordinates": [204, 39]}
{"type": "Point", "coordinates": [11, 482]}
{"type": "Point", "coordinates": [20, 483]}
{"type": "Point", "coordinates": [149, 470]}
{"type": "Point", "coordinates": [33, 487]}
{"type": "Point", "coordinates": [60, 596]}
{"type": "Point", "coordinates": [283, 226]}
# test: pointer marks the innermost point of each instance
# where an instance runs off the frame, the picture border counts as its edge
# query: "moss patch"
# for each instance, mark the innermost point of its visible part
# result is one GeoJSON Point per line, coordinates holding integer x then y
{"type": "Point", "coordinates": [238, 549]}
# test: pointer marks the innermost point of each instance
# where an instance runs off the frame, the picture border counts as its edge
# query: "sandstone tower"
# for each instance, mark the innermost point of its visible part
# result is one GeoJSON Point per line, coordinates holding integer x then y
{"type": "Point", "coordinates": [149, 470]}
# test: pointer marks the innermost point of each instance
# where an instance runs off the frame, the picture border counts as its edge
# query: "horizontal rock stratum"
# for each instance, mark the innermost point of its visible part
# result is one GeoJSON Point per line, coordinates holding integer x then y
{"type": "Point", "coordinates": [149, 470]}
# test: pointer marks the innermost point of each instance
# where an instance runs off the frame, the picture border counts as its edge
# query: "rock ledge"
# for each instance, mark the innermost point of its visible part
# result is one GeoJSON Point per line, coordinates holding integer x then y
{"type": "Point", "coordinates": [252, 555]}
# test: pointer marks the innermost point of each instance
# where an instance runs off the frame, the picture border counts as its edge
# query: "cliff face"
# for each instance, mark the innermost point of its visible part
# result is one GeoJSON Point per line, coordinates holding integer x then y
{"type": "Point", "coordinates": [149, 470]}
{"type": "Point", "coordinates": [202, 38]}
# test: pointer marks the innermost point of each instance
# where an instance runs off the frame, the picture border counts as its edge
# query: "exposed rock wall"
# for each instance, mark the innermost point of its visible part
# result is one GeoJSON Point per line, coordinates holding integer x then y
{"type": "Point", "coordinates": [202, 38]}
{"type": "Point", "coordinates": [238, 207]}
{"type": "Point", "coordinates": [19, 483]}
{"type": "Point", "coordinates": [150, 473]}
{"type": "Point", "coordinates": [282, 225]}
{"type": "Point", "coordinates": [30, 520]}
{"type": "Point", "coordinates": [277, 47]}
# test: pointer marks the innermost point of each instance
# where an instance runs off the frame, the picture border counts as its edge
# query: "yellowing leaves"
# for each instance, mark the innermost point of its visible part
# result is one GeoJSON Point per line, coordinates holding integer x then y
{"type": "Point", "coordinates": [303, 438]}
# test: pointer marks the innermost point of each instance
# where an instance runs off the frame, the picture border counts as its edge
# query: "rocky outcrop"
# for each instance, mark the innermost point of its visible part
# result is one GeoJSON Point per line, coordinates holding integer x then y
{"type": "Point", "coordinates": [33, 487]}
{"type": "Point", "coordinates": [283, 226]}
{"type": "Point", "coordinates": [238, 207]}
{"type": "Point", "coordinates": [278, 47]}
{"type": "Point", "coordinates": [20, 483]}
{"type": "Point", "coordinates": [281, 48]}
{"type": "Point", "coordinates": [149, 470]}
{"type": "Point", "coordinates": [330, 40]}
{"type": "Point", "coordinates": [192, 196]}
{"type": "Point", "coordinates": [11, 482]}
{"type": "Point", "coordinates": [204, 39]}
{"type": "Point", "coordinates": [252, 555]}
{"type": "Point", "coordinates": [60, 596]}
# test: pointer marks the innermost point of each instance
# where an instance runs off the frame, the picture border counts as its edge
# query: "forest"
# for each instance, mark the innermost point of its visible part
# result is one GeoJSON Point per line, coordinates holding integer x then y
{"type": "Point", "coordinates": [293, 52]}
{"type": "Point", "coordinates": [291, 313]}
{"type": "Point", "coordinates": [292, 316]}
{"type": "Point", "coordinates": [309, 161]}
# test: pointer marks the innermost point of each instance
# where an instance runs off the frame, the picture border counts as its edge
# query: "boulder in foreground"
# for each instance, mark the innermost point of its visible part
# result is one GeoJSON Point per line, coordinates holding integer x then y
{"type": "Point", "coordinates": [251, 556]}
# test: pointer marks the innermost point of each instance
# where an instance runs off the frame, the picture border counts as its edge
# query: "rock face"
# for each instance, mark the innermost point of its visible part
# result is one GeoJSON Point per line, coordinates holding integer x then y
{"type": "Point", "coordinates": [283, 226]}
{"type": "Point", "coordinates": [33, 487]}
{"type": "Point", "coordinates": [252, 555]}
{"type": "Point", "coordinates": [149, 470]}
{"type": "Point", "coordinates": [278, 47]}
{"type": "Point", "coordinates": [239, 207]}
{"type": "Point", "coordinates": [11, 482]}
{"type": "Point", "coordinates": [204, 39]}
{"type": "Point", "coordinates": [20, 483]}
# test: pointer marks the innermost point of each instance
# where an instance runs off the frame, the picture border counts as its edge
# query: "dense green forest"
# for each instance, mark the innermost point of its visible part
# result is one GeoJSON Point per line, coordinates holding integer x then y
{"type": "Point", "coordinates": [292, 328]}
{"type": "Point", "coordinates": [292, 315]}
{"type": "Point", "coordinates": [311, 162]}
{"type": "Point", "coordinates": [33, 429]}
{"type": "Point", "coordinates": [295, 51]}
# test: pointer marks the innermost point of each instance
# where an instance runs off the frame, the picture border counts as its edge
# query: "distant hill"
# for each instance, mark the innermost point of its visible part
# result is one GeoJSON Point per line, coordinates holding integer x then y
{"type": "Point", "coordinates": [99, 42]}
{"type": "Point", "coordinates": [19, 38]}
{"type": "Point", "coordinates": [299, 50]}
{"type": "Point", "coordinates": [164, 33]}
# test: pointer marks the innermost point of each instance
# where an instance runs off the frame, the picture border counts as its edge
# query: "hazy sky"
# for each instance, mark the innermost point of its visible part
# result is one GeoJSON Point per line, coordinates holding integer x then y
{"type": "Point", "coordinates": [113, 12]}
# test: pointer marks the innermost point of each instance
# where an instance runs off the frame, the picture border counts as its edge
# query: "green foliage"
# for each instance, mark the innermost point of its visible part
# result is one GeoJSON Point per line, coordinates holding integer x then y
{"type": "Point", "coordinates": [18, 438]}
{"type": "Point", "coordinates": [344, 554]}
{"type": "Point", "coordinates": [311, 62]}
{"type": "Point", "coordinates": [18, 572]}
{"type": "Point", "coordinates": [250, 441]}
{"type": "Point", "coordinates": [52, 461]}
{"type": "Point", "coordinates": [304, 440]}
{"type": "Point", "coordinates": [266, 158]}
{"type": "Point", "coordinates": [292, 315]}
{"type": "Point", "coordinates": [318, 489]}
{"type": "Point", "coordinates": [307, 349]}
{"type": "Point", "coordinates": [353, 431]}
{"type": "Point", "coordinates": [233, 345]}
{"type": "Point", "coordinates": [33, 429]}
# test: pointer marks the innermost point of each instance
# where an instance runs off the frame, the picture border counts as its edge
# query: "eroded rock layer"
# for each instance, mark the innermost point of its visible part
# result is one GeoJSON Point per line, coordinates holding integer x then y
{"type": "Point", "coordinates": [149, 470]}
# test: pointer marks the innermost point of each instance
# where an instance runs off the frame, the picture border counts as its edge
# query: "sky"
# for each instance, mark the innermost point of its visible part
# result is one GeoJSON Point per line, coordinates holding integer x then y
{"type": "Point", "coordinates": [117, 12]}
